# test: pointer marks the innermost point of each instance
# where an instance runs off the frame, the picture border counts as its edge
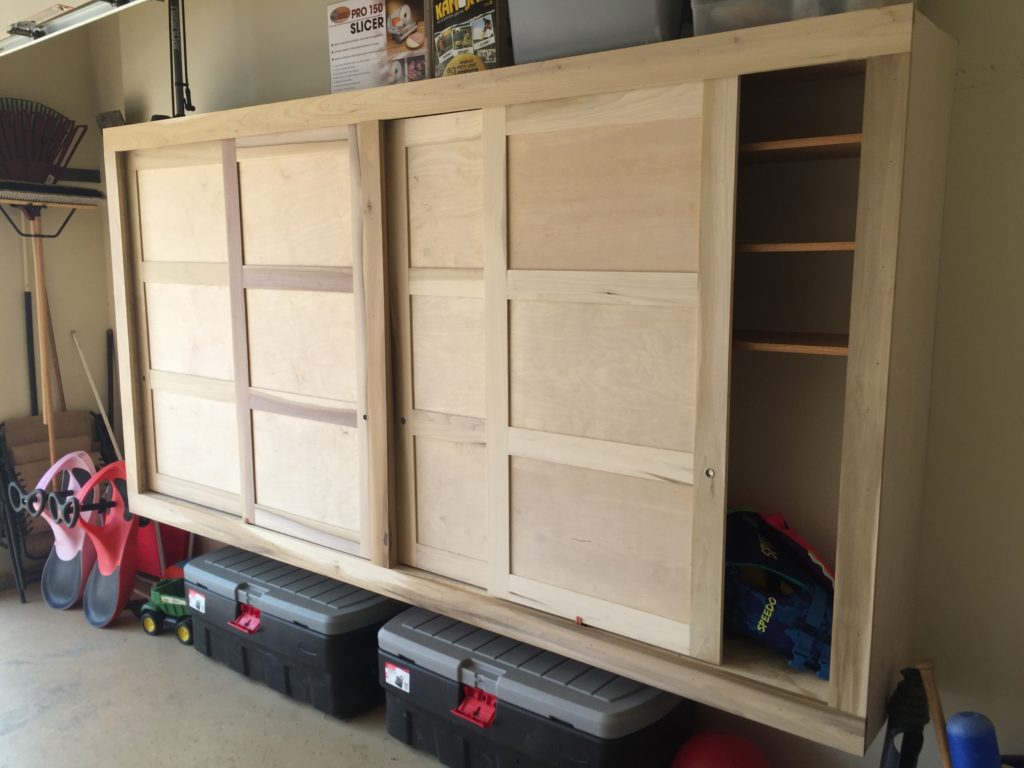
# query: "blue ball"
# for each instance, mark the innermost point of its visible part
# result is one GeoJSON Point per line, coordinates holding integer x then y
{"type": "Point", "coordinates": [972, 741]}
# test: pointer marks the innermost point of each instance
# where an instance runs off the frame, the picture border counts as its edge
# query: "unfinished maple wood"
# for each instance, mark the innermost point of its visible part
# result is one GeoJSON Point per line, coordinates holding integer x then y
{"type": "Point", "coordinates": [600, 200]}
{"type": "Point", "coordinates": [509, 128]}
{"type": "Point", "coordinates": [568, 530]}
{"type": "Point", "coordinates": [308, 470]}
{"type": "Point", "coordinates": [380, 514]}
{"type": "Point", "coordinates": [296, 206]}
{"type": "Point", "coordinates": [181, 212]}
{"type": "Point", "coordinates": [645, 356]}
{"type": "Point", "coordinates": [809, 148]}
{"type": "Point", "coordinates": [195, 440]}
{"type": "Point", "coordinates": [435, 167]}
{"type": "Point", "coordinates": [829, 247]}
{"type": "Point", "coordinates": [239, 328]}
{"type": "Point", "coordinates": [848, 37]}
{"type": "Point", "coordinates": [929, 108]}
{"type": "Point", "coordinates": [290, 356]}
{"type": "Point", "coordinates": [836, 344]}
{"type": "Point", "coordinates": [602, 360]}
{"type": "Point", "coordinates": [190, 329]}
{"type": "Point", "coordinates": [448, 355]}
{"type": "Point", "coordinates": [711, 428]}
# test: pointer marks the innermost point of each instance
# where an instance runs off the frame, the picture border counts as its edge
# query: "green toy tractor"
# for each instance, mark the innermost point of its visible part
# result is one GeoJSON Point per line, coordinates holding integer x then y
{"type": "Point", "coordinates": [167, 606]}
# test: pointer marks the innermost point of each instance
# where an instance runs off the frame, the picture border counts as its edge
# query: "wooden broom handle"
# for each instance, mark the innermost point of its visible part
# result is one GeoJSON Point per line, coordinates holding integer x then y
{"type": "Point", "coordinates": [43, 332]}
{"type": "Point", "coordinates": [927, 670]}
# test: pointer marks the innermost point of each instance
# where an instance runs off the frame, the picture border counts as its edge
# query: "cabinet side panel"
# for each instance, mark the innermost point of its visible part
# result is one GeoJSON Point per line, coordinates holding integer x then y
{"type": "Point", "coordinates": [932, 73]}
{"type": "Point", "coordinates": [867, 382]}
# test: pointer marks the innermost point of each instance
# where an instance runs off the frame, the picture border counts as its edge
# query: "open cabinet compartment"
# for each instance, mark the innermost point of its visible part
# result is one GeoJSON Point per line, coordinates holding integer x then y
{"type": "Point", "coordinates": [800, 137]}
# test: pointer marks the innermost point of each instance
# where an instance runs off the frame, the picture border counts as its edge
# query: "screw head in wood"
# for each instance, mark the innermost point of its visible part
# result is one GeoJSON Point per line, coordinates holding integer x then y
{"type": "Point", "coordinates": [709, 472]}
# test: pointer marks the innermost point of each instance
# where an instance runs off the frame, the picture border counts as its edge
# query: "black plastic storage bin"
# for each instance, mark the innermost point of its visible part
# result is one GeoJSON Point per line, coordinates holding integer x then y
{"type": "Point", "coordinates": [309, 637]}
{"type": "Point", "coordinates": [475, 699]}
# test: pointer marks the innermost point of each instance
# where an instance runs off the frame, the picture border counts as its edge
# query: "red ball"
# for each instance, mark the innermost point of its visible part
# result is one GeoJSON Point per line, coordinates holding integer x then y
{"type": "Point", "coordinates": [719, 750]}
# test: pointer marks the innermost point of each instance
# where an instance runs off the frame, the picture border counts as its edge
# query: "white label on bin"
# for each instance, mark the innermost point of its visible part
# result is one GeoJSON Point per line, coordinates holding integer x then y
{"type": "Point", "coordinates": [396, 676]}
{"type": "Point", "coordinates": [197, 601]}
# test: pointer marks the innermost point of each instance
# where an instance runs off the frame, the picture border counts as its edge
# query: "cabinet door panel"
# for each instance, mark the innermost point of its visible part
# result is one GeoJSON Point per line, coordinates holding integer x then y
{"type": "Point", "coordinates": [297, 204]}
{"type": "Point", "coordinates": [572, 526]}
{"type": "Point", "coordinates": [621, 373]}
{"type": "Point", "coordinates": [308, 471]}
{"type": "Point", "coordinates": [618, 197]}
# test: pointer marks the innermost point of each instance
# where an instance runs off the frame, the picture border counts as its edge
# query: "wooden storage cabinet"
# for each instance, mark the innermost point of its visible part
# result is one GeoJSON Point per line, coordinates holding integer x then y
{"type": "Point", "coordinates": [506, 345]}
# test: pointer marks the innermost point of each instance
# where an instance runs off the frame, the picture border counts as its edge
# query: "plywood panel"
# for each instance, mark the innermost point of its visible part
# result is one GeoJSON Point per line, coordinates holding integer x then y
{"type": "Point", "coordinates": [620, 373]}
{"type": "Point", "coordinates": [448, 355]}
{"type": "Point", "coordinates": [446, 205]}
{"type": "Point", "coordinates": [297, 205]}
{"type": "Point", "coordinates": [181, 213]}
{"type": "Point", "coordinates": [303, 342]}
{"type": "Point", "coordinates": [190, 329]}
{"type": "Point", "coordinates": [619, 539]}
{"type": "Point", "coordinates": [196, 440]}
{"type": "Point", "coordinates": [451, 497]}
{"type": "Point", "coordinates": [623, 198]}
{"type": "Point", "coordinates": [308, 470]}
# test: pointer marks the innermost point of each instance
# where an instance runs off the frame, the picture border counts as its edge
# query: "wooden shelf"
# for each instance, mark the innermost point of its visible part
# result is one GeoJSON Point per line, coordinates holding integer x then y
{"type": "Point", "coordinates": [829, 344]}
{"type": "Point", "coordinates": [810, 148]}
{"type": "Point", "coordinates": [746, 659]}
{"type": "Point", "coordinates": [833, 247]}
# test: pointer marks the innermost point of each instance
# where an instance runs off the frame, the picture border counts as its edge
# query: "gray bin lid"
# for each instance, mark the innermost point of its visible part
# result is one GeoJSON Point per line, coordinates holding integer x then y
{"type": "Point", "coordinates": [288, 593]}
{"type": "Point", "coordinates": [589, 699]}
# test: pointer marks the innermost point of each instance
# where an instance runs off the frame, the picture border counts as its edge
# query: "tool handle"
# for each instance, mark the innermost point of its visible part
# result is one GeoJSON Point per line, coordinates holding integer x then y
{"type": "Point", "coordinates": [927, 670]}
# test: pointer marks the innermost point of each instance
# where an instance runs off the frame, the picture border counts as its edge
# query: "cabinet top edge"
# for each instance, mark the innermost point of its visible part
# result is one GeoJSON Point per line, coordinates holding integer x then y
{"type": "Point", "coordinates": [806, 42]}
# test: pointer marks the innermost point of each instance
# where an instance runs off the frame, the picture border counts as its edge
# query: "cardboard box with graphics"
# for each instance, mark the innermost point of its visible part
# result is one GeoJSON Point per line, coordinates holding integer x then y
{"type": "Point", "coordinates": [377, 42]}
{"type": "Point", "coordinates": [469, 36]}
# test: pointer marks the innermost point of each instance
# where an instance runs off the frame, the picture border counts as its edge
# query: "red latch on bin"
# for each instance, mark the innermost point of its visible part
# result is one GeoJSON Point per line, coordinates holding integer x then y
{"type": "Point", "coordinates": [248, 620]}
{"type": "Point", "coordinates": [477, 707]}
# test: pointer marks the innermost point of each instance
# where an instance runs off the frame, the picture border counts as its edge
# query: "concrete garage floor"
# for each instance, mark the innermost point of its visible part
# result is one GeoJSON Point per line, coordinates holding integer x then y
{"type": "Point", "coordinates": [71, 695]}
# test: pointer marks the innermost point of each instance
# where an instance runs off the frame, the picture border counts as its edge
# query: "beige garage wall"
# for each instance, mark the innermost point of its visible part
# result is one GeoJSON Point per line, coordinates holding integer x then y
{"type": "Point", "coordinates": [59, 75]}
{"type": "Point", "coordinates": [966, 615]}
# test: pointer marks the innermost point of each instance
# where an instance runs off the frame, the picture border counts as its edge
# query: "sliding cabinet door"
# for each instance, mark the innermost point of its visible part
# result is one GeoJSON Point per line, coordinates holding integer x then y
{"type": "Point", "coordinates": [561, 286]}
{"type": "Point", "coordinates": [436, 233]}
{"type": "Point", "coordinates": [300, 312]}
{"type": "Point", "coordinates": [179, 239]}
{"type": "Point", "coordinates": [258, 285]}
{"type": "Point", "coordinates": [608, 263]}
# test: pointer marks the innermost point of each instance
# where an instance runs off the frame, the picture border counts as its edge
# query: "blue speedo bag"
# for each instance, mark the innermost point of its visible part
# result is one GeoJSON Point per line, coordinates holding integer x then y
{"type": "Point", "coordinates": [778, 590]}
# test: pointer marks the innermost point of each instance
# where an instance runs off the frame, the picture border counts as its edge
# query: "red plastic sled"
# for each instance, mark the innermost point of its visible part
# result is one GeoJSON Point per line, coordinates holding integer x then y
{"type": "Point", "coordinates": [113, 576]}
{"type": "Point", "coordinates": [72, 558]}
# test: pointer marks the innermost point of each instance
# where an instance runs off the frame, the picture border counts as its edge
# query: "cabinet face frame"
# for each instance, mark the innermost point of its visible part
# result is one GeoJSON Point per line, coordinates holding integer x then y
{"type": "Point", "coordinates": [848, 37]}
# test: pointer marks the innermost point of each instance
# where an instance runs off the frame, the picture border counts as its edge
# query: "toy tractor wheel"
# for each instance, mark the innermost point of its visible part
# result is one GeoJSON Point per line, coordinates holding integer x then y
{"type": "Point", "coordinates": [184, 631]}
{"type": "Point", "coordinates": [152, 623]}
